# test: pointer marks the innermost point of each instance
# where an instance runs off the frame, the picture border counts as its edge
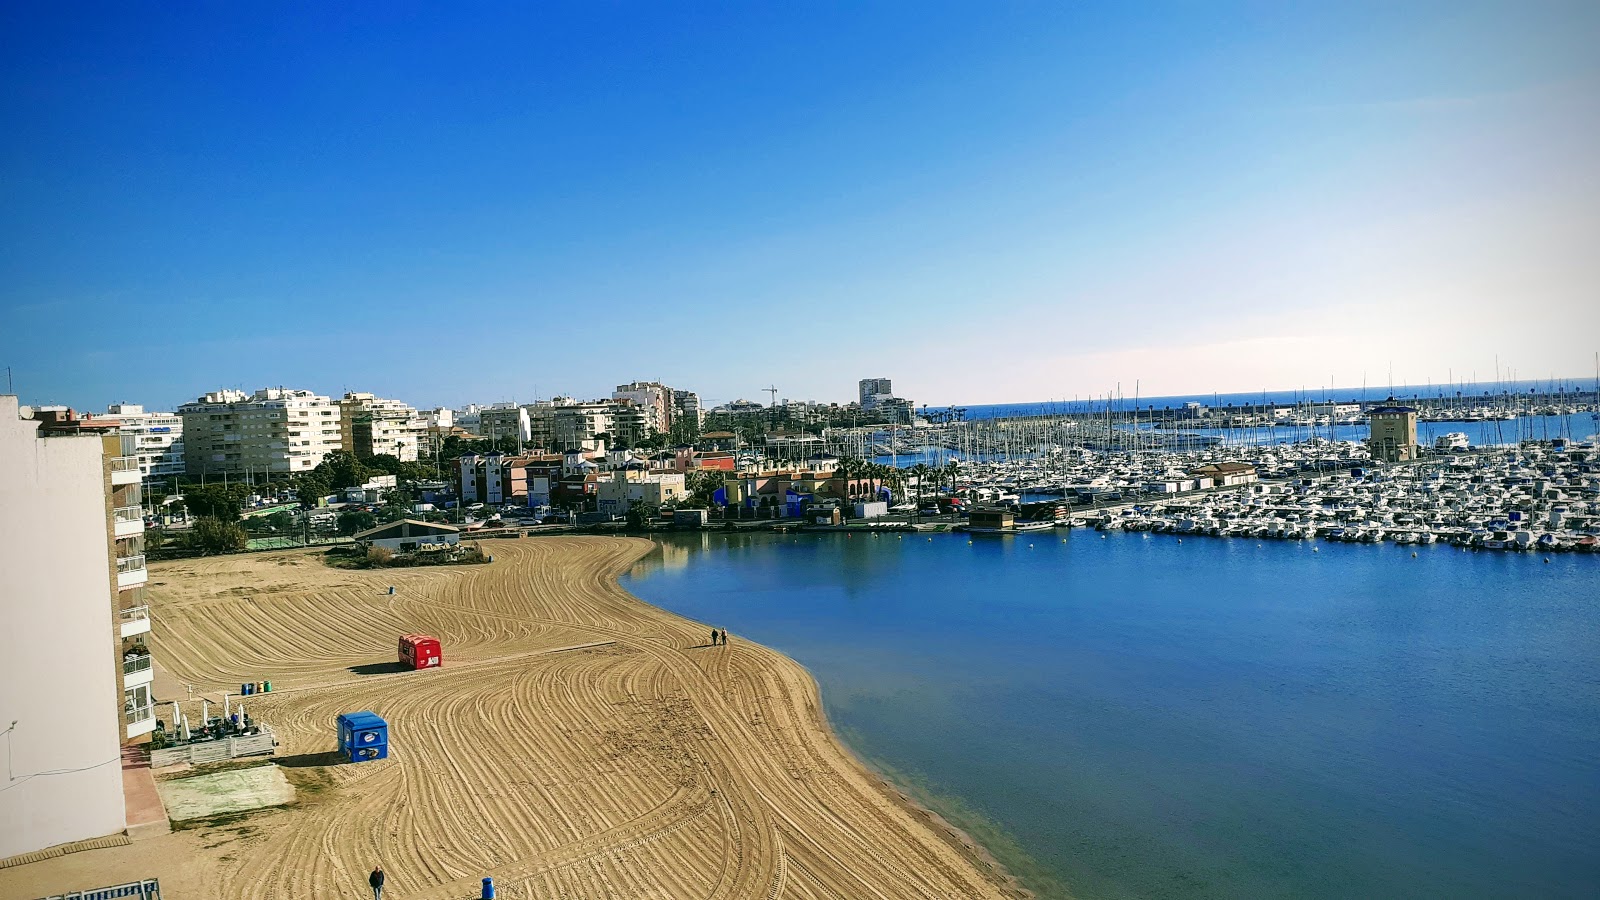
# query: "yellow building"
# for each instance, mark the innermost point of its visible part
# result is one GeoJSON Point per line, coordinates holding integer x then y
{"type": "Point", "coordinates": [1394, 432]}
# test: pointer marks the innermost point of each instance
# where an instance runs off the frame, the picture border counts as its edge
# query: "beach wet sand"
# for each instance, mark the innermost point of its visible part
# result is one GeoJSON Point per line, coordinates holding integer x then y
{"type": "Point", "coordinates": [577, 743]}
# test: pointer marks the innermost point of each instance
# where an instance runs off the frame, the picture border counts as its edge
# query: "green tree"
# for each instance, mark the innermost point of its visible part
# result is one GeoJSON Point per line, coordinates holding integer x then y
{"type": "Point", "coordinates": [703, 486]}
{"type": "Point", "coordinates": [356, 522]}
{"type": "Point", "coordinates": [342, 469]}
{"type": "Point", "coordinates": [311, 487]}
{"type": "Point", "coordinates": [216, 501]}
{"type": "Point", "coordinates": [212, 535]}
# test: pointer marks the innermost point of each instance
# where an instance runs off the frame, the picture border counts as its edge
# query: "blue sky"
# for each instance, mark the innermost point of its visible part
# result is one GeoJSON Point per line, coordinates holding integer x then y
{"type": "Point", "coordinates": [985, 202]}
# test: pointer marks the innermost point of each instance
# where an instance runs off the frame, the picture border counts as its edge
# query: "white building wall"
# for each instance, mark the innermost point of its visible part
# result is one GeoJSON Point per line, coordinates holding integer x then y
{"type": "Point", "coordinates": [58, 680]}
{"type": "Point", "coordinates": [155, 438]}
{"type": "Point", "coordinates": [274, 430]}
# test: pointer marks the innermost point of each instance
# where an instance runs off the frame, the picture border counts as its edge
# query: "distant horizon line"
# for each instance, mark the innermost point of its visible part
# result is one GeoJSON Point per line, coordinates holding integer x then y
{"type": "Point", "coordinates": [1580, 383]}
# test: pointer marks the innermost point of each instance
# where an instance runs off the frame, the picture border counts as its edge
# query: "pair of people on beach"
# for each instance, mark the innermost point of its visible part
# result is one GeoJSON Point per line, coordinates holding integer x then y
{"type": "Point", "coordinates": [719, 637]}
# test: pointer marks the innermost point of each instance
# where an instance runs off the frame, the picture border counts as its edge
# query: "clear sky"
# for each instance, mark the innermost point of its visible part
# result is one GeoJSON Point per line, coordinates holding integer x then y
{"type": "Point", "coordinates": [986, 202]}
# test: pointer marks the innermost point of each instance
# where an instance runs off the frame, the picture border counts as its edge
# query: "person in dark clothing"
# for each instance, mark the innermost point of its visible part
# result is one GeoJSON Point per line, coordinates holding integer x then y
{"type": "Point", "coordinates": [713, 637]}
{"type": "Point", "coordinates": [376, 880]}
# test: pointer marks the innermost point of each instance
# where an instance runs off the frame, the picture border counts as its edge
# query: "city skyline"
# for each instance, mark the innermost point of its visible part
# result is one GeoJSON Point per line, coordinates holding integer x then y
{"type": "Point", "coordinates": [985, 205]}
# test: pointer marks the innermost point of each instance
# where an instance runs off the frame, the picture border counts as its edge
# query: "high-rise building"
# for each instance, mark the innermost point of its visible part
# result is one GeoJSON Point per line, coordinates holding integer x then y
{"type": "Point", "coordinates": [275, 431]}
{"type": "Point", "coordinates": [1394, 432]}
{"type": "Point", "coordinates": [871, 389]}
{"type": "Point", "coordinates": [687, 405]}
{"type": "Point", "coordinates": [72, 579]}
{"type": "Point", "coordinates": [653, 398]}
{"type": "Point", "coordinates": [577, 426]}
{"type": "Point", "coordinates": [157, 440]}
{"type": "Point", "coordinates": [370, 426]}
{"type": "Point", "coordinates": [504, 421]}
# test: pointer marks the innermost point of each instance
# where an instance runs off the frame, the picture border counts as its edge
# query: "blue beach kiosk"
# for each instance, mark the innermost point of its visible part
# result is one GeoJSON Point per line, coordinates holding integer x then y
{"type": "Point", "coordinates": [363, 736]}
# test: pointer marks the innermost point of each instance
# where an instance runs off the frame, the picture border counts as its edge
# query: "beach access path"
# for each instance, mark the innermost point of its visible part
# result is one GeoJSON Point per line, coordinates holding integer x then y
{"type": "Point", "coordinates": [577, 743]}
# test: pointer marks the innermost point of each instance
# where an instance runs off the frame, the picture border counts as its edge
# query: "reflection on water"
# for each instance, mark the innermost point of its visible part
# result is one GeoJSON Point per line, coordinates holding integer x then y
{"type": "Point", "coordinates": [1214, 719]}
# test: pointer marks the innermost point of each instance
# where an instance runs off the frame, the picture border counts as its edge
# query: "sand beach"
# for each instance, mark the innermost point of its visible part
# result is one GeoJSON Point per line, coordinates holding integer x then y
{"type": "Point", "coordinates": [577, 743]}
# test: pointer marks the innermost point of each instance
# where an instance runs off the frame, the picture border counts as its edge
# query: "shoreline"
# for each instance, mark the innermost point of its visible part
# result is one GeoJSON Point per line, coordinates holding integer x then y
{"type": "Point", "coordinates": [947, 831]}
{"type": "Point", "coordinates": [952, 834]}
{"type": "Point", "coordinates": [651, 765]}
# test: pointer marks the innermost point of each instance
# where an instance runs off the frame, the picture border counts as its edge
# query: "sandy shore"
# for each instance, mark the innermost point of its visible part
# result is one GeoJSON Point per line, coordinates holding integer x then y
{"type": "Point", "coordinates": [578, 743]}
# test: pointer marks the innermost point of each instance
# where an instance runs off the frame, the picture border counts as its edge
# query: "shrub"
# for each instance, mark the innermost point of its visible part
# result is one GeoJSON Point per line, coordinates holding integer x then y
{"type": "Point", "coordinates": [378, 557]}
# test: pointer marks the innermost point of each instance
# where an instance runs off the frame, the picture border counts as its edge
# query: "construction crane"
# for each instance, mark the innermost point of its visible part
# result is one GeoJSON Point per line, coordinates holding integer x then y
{"type": "Point", "coordinates": [773, 390]}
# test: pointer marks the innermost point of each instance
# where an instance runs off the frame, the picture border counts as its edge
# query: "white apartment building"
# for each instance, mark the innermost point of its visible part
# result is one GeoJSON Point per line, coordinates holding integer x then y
{"type": "Point", "coordinates": [75, 683]}
{"type": "Point", "coordinates": [371, 426]}
{"type": "Point", "coordinates": [577, 424]}
{"type": "Point", "coordinates": [275, 431]}
{"type": "Point", "coordinates": [504, 420]}
{"type": "Point", "coordinates": [653, 398]}
{"type": "Point", "coordinates": [157, 440]}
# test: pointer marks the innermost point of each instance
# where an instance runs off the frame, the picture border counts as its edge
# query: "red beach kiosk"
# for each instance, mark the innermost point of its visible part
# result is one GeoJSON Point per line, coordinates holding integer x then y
{"type": "Point", "coordinates": [420, 651]}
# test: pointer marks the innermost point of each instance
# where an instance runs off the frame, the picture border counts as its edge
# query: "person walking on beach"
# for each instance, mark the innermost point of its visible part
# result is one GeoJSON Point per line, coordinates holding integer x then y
{"type": "Point", "coordinates": [376, 880]}
{"type": "Point", "coordinates": [713, 637]}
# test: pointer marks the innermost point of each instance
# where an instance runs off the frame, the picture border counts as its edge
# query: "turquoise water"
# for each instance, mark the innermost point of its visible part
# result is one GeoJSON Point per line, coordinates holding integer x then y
{"type": "Point", "coordinates": [1215, 718]}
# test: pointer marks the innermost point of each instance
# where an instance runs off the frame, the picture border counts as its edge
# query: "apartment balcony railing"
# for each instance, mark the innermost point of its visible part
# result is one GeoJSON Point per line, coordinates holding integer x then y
{"type": "Point", "coordinates": [134, 664]}
{"type": "Point", "coordinates": [135, 614]}
{"type": "Point", "coordinates": [125, 470]}
{"type": "Point", "coordinates": [138, 714]}
{"type": "Point", "coordinates": [126, 564]}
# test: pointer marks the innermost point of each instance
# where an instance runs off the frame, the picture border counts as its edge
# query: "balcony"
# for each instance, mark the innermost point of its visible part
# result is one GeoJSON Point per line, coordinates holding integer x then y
{"type": "Point", "coordinates": [127, 521]}
{"type": "Point", "coordinates": [137, 670]}
{"type": "Point", "coordinates": [124, 470]}
{"type": "Point", "coordinates": [131, 571]}
{"type": "Point", "coordinates": [139, 719]}
{"type": "Point", "coordinates": [134, 622]}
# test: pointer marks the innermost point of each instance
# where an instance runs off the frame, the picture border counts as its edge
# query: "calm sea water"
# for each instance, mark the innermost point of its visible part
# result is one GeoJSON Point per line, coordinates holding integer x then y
{"type": "Point", "coordinates": [1215, 718]}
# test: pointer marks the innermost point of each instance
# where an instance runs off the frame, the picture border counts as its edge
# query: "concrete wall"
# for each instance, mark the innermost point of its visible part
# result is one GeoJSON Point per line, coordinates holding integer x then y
{"type": "Point", "coordinates": [58, 680]}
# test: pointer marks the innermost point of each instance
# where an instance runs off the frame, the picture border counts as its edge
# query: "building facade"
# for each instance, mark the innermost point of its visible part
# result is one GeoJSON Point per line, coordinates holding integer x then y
{"type": "Point", "coordinates": [577, 426]}
{"type": "Point", "coordinates": [157, 440]}
{"type": "Point", "coordinates": [77, 686]}
{"type": "Point", "coordinates": [1394, 432]}
{"type": "Point", "coordinates": [635, 485]}
{"type": "Point", "coordinates": [686, 405]}
{"type": "Point", "coordinates": [371, 426]}
{"type": "Point", "coordinates": [653, 399]}
{"type": "Point", "coordinates": [275, 431]}
{"type": "Point", "coordinates": [870, 389]}
{"type": "Point", "coordinates": [504, 421]}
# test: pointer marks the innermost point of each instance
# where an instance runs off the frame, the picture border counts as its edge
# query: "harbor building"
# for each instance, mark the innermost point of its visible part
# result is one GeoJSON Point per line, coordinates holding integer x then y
{"type": "Point", "coordinates": [1394, 432]}
{"type": "Point", "coordinates": [275, 431]}
{"type": "Point", "coordinates": [157, 440]}
{"type": "Point", "coordinates": [77, 685]}
{"type": "Point", "coordinates": [370, 426]}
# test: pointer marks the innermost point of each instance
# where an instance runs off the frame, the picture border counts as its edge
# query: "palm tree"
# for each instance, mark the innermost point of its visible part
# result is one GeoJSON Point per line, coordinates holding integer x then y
{"type": "Point", "coordinates": [951, 469]}
{"type": "Point", "coordinates": [920, 470]}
